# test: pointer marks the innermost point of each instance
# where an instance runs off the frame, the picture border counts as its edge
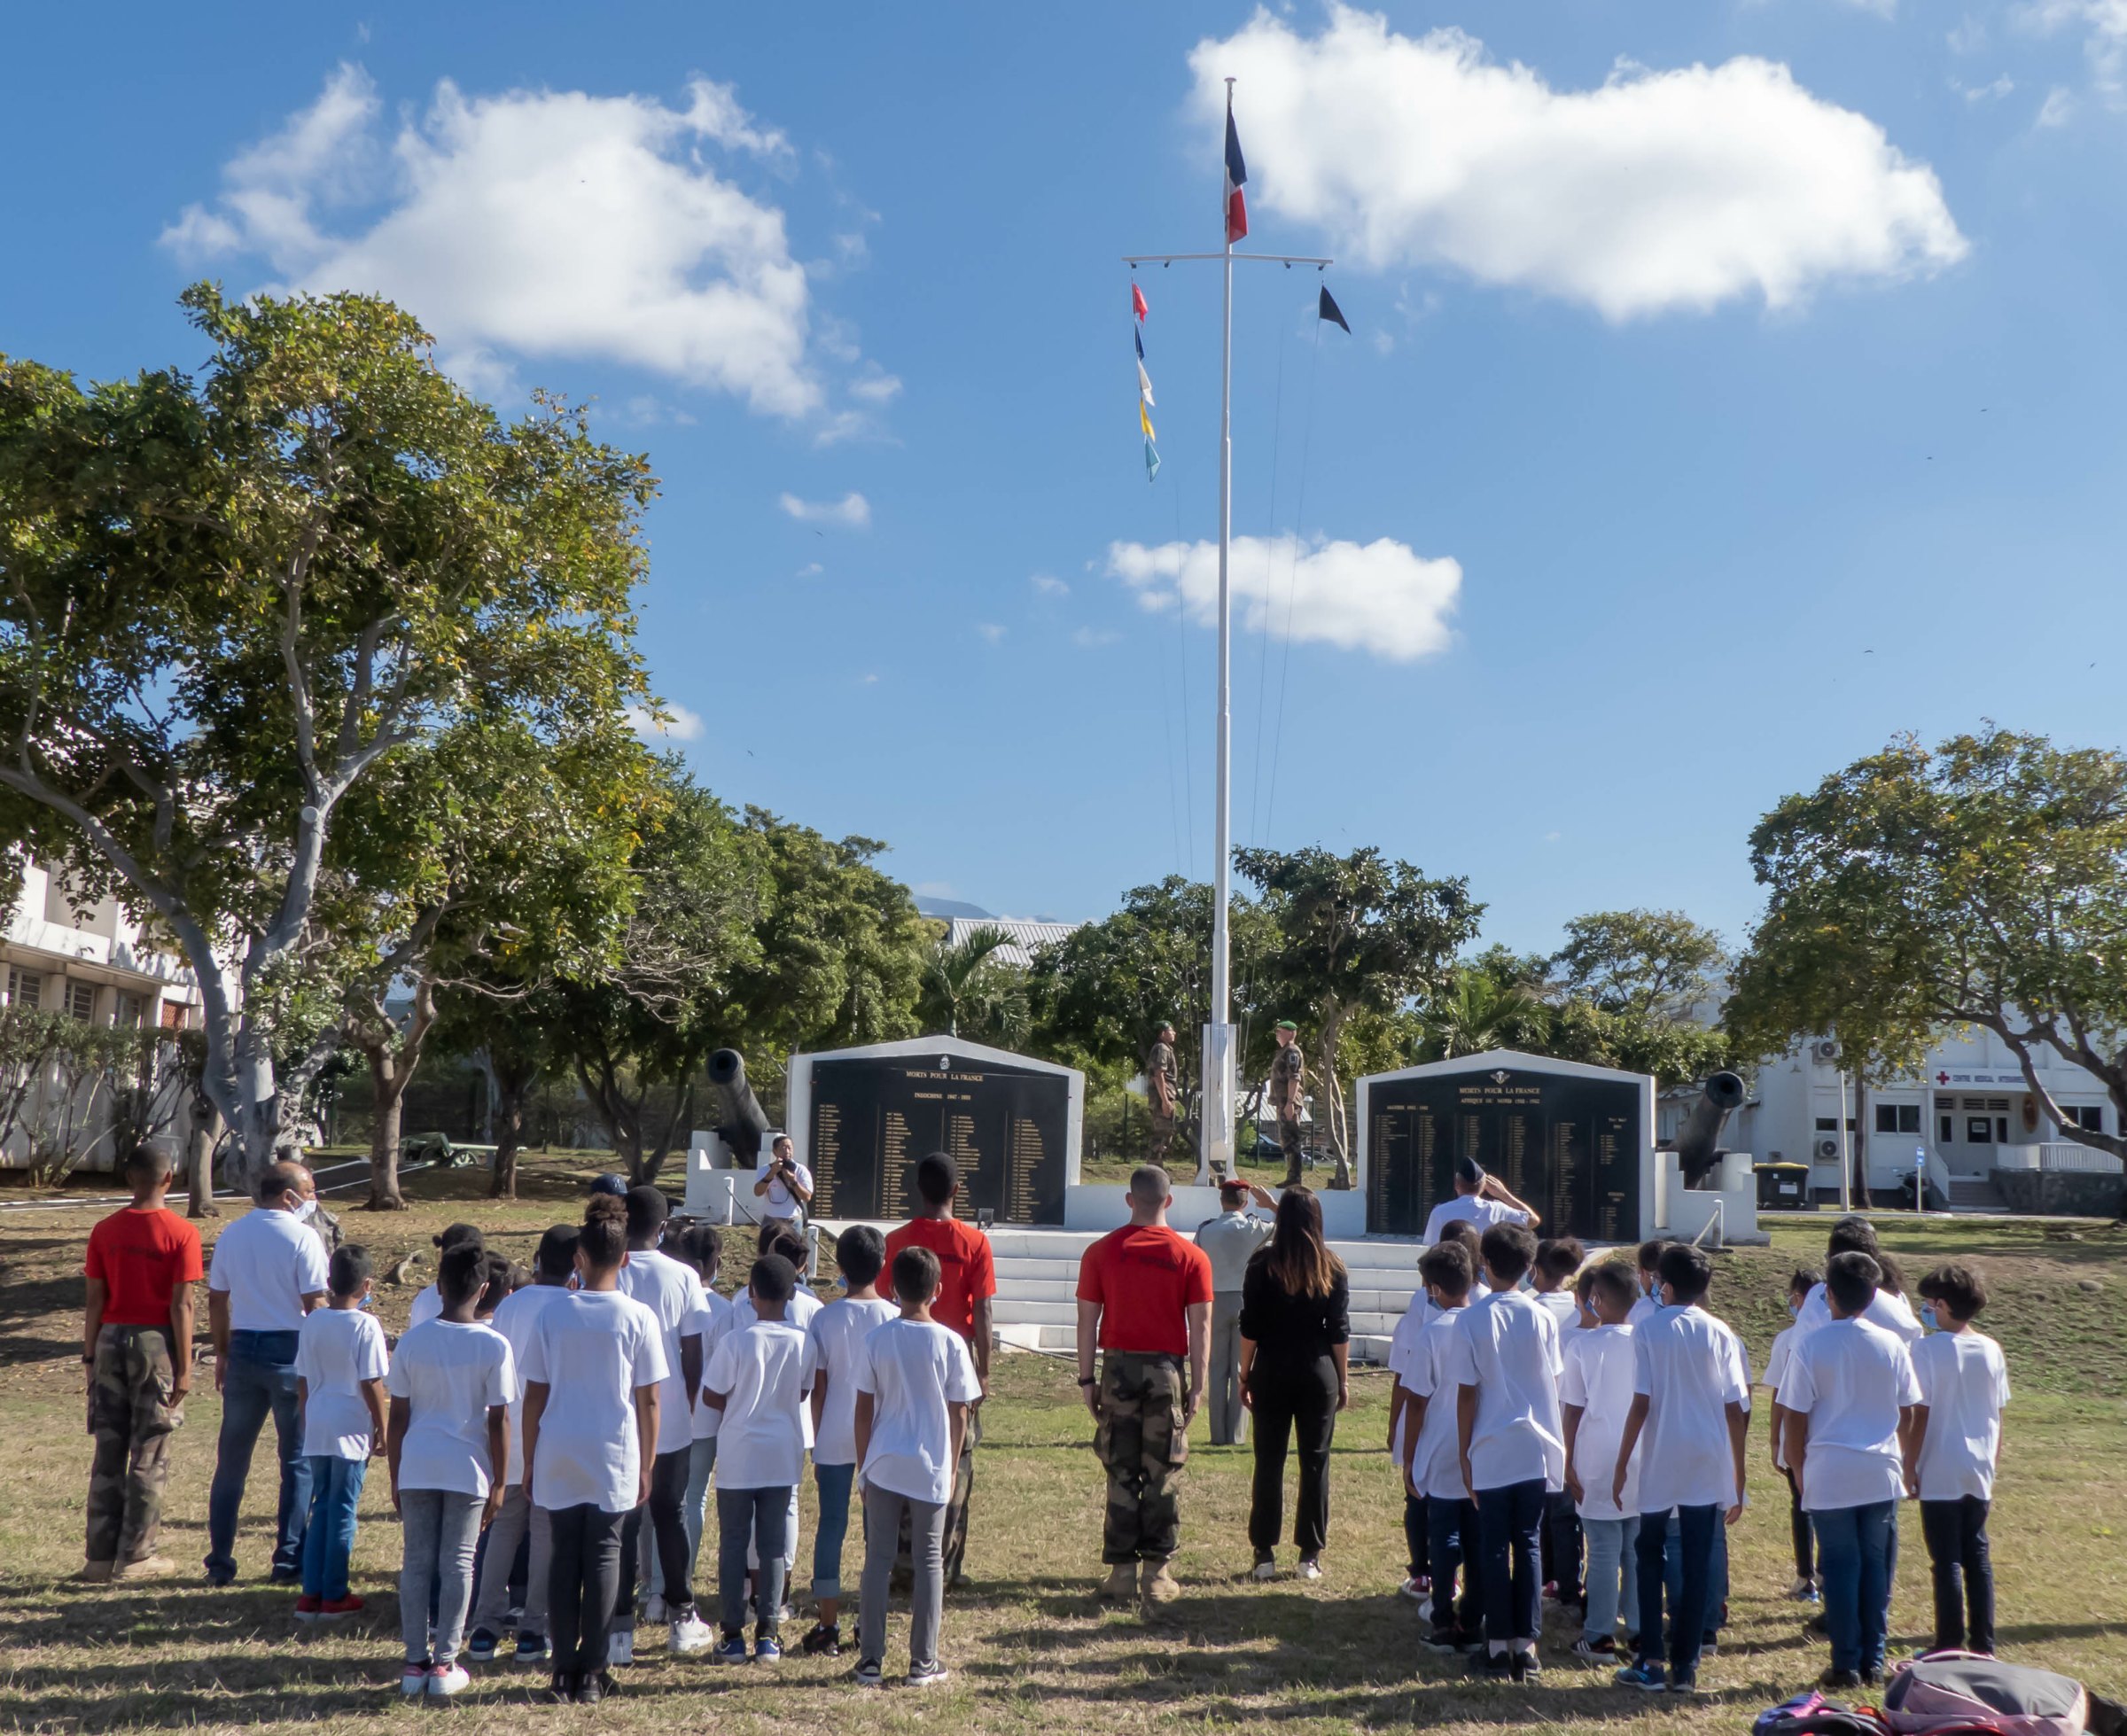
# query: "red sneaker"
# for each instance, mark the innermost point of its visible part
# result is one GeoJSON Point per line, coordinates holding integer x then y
{"type": "Point", "coordinates": [308, 1608]}
{"type": "Point", "coordinates": [349, 1605]}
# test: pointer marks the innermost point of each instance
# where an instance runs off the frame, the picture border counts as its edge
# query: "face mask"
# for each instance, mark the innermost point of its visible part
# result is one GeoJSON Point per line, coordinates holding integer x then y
{"type": "Point", "coordinates": [1928, 1318]}
{"type": "Point", "coordinates": [306, 1212]}
{"type": "Point", "coordinates": [1794, 1311]}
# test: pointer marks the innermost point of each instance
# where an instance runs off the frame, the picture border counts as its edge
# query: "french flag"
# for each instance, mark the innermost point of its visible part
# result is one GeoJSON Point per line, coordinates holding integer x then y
{"type": "Point", "coordinates": [1236, 177]}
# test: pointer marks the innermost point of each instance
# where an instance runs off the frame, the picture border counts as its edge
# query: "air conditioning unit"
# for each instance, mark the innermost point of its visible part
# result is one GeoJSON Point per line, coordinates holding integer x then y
{"type": "Point", "coordinates": [1824, 1049]}
{"type": "Point", "coordinates": [1827, 1149]}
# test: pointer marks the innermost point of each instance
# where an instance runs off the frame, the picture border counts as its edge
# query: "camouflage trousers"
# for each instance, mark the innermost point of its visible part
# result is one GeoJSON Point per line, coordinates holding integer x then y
{"type": "Point", "coordinates": [1288, 1141]}
{"type": "Point", "coordinates": [1159, 1136]}
{"type": "Point", "coordinates": [131, 1419]}
{"type": "Point", "coordinates": [1143, 1442]}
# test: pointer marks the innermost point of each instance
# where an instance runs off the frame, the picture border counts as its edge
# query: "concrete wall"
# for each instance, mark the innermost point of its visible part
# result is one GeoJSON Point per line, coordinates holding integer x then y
{"type": "Point", "coordinates": [2062, 1193]}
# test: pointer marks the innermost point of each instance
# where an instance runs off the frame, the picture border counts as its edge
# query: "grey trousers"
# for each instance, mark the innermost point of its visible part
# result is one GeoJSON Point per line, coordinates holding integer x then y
{"type": "Point", "coordinates": [883, 1510]}
{"type": "Point", "coordinates": [440, 1526]}
{"type": "Point", "coordinates": [1229, 1416]}
{"type": "Point", "coordinates": [517, 1517]}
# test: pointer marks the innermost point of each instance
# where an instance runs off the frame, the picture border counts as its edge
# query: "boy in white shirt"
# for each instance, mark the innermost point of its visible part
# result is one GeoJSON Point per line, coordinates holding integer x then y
{"type": "Point", "coordinates": [702, 1247]}
{"type": "Point", "coordinates": [1953, 1451]}
{"type": "Point", "coordinates": [1687, 1421]}
{"type": "Point", "coordinates": [834, 1348]}
{"type": "Point", "coordinates": [1433, 1456]}
{"type": "Point", "coordinates": [1595, 1396]}
{"type": "Point", "coordinates": [340, 1368]}
{"type": "Point", "coordinates": [428, 1300]}
{"type": "Point", "coordinates": [1649, 1302]}
{"type": "Point", "coordinates": [1505, 1364]}
{"type": "Point", "coordinates": [1849, 1393]}
{"type": "Point", "coordinates": [1889, 1309]}
{"type": "Point", "coordinates": [1403, 1347]}
{"type": "Point", "coordinates": [802, 1307]}
{"type": "Point", "coordinates": [451, 1382]}
{"type": "Point", "coordinates": [1464, 1234]}
{"type": "Point", "coordinates": [757, 1378]}
{"type": "Point", "coordinates": [1804, 1588]}
{"type": "Point", "coordinates": [1551, 1282]}
{"type": "Point", "coordinates": [914, 1381]}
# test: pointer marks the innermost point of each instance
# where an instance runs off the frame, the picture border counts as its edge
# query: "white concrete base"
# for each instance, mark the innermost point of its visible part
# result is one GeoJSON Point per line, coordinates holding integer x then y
{"type": "Point", "coordinates": [1687, 1211]}
{"type": "Point", "coordinates": [1092, 1206]}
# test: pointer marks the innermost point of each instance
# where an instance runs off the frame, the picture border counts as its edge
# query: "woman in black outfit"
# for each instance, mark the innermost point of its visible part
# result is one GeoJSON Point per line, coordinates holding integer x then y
{"type": "Point", "coordinates": [1295, 1334]}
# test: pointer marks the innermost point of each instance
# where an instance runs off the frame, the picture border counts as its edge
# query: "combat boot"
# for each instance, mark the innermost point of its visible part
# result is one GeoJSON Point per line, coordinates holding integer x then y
{"type": "Point", "coordinates": [1121, 1584]}
{"type": "Point", "coordinates": [148, 1567]}
{"type": "Point", "coordinates": [1160, 1585]}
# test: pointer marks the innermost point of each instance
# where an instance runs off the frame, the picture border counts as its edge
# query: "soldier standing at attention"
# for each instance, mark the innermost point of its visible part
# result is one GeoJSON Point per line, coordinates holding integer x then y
{"type": "Point", "coordinates": [1229, 1240]}
{"type": "Point", "coordinates": [1163, 1087]}
{"type": "Point", "coordinates": [1145, 1298]}
{"type": "Point", "coordinates": [1288, 1097]}
{"type": "Point", "coordinates": [137, 1341]}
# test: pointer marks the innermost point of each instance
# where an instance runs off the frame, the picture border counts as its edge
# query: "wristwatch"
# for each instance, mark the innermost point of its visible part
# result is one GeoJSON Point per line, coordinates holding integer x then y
{"type": "Point", "coordinates": [1087, 1380]}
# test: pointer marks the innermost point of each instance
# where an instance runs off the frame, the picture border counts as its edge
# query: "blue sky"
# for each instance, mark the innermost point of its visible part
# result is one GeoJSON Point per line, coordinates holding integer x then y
{"type": "Point", "coordinates": [1762, 411]}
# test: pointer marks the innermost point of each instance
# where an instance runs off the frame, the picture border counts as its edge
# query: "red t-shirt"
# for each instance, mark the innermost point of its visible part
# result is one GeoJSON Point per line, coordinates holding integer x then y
{"type": "Point", "coordinates": [1145, 1277]}
{"type": "Point", "coordinates": [142, 1257]}
{"type": "Point", "coordinates": [966, 1274]}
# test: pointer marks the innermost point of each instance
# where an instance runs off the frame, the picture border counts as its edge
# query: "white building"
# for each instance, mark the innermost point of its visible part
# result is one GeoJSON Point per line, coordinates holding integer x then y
{"type": "Point", "coordinates": [1022, 940]}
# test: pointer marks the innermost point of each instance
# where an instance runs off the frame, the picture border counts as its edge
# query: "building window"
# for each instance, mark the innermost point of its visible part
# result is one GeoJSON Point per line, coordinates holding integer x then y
{"type": "Point", "coordinates": [2088, 1117]}
{"type": "Point", "coordinates": [1898, 1117]}
{"type": "Point", "coordinates": [1826, 1124]}
{"type": "Point", "coordinates": [1979, 1130]}
{"type": "Point", "coordinates": [81, 1001]}
{"type": "Point", "coordinates": [1948, 1129]}
{"type": "Point", "coordinates": [126, 1010]}
{"type": "Point", "coordinates": [24, 987]}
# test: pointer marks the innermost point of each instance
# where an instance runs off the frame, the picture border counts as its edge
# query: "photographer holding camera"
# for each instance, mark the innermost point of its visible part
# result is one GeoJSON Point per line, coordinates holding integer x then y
{"type": "Point", "coordinates": [786, 1185]}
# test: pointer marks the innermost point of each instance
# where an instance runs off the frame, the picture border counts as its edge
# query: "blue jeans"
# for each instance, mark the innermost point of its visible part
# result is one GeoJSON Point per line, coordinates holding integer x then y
{"type": "Point", "coordinates": [1716, 1584]}
{"type": "Point", "coordinates": [834, 1482]}
{"type": "Point", "coordinates": [1691, 1603]}
{"type": "Point", "coordinates": [1510, 1539]}
{"type": "Point", "coordinates": [1613, 1575]}
{"type": "Point", "coordinates": [694, 1505]}
{"type": "Point", "coordinates": [1857, 1554]}
{"type": "Point", "coordinates": [329, 1536]}
{"type": "Point", "coordinates": [1450, 1535]}
{"type": "Point", "coordinates": [260, 1379]}
{"type": "Point", "coordinates": [741, 1515]}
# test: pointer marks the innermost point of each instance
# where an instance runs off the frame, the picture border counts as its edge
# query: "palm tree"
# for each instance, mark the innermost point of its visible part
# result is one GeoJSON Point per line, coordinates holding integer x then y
{"type": "Point", "coordinates": [964, 983]}
{"type": "Point", "coordinates": [1479, 1012]}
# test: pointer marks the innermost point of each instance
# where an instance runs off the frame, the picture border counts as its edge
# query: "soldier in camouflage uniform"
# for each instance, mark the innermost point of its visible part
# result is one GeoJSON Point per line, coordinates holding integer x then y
{"type": "Point", "coordinates": [1144, 1301]}
{"type": "Point", "coordinates": [1288, 1097]}
{"type": "Point", "coordinates": [137, 1345]}
{"type": "Point", "coordinates": [1162, 1090]}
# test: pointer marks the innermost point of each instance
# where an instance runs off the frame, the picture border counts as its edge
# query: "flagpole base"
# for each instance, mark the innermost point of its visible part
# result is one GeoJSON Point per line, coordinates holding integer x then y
{"type": "Point", "coordinates": [1221, 1078]}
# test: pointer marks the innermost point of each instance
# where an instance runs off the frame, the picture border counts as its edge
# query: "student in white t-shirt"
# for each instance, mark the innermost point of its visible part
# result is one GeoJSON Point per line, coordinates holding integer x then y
{"type": "Point", "coordinates": [1480, 1201]}
{"type": "Point", "coordinates": [1952, 1452]}
{"type": "Point", "coordinates": [1595, 1396]}
{"type": "Point", "coordinates": [451, 1382]}
{"type": "Point", "coordinates": [702, 1247]}
{"type": "Point", "coordinates": [1889, 1309]}
{"type": "Point", "coordinates": [799, 1313]}
{"type": "Point", "coordinates": [592, 1367]}
{"type": "Point", "coordinates": [914, 1381]}
{"type": "Point", "coordinates": [428, 1300]}
{"type": "Point", "coordinates": [1558, 1260]}
{"type": "Point", "coordinates": [1849, 1393]}
{"type": "Point", "coordinates": [1432, 1455]}
{"type": "Point", "coordinates": [340, 1368]}
{"type": "Point", "coordinates": [1648, 1304]}
{"type": "Point", "coordinates": [672, 1290]}
{"type": "Point", "coordinates": [1403, 1349]}
{"type": "Point", "coordinates": [835, 1342]}
{"type": "Point", "coordinates": [1803, 1587]}
{"type": "Point", "coordinates": [758, 1378]}
{"type": "Point", "coordinates": [517, 1318]}
{"type": "Point", "coordinates": [1689, 1415]}
{"type": "Point", "coordinates": [1506, 1363]}
{"type": "Point", "coordinates": [1465, 1235]}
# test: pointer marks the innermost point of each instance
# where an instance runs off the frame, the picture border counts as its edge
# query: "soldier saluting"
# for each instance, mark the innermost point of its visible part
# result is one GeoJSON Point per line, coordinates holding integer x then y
{"type": "Point", "coordinates": [1288, 1095]}
{"type": "Point", "coordinates": [1163, 1088]}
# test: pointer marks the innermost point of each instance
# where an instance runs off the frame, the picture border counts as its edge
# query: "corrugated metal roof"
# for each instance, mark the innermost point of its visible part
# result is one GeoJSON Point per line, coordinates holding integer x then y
{"type": "Point", "coordinates": [1026, 938]}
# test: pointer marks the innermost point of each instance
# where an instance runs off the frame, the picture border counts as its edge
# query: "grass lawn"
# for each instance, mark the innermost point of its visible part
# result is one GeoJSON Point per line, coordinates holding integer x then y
{"type": "Point", "coordinates": [1029, 1650]}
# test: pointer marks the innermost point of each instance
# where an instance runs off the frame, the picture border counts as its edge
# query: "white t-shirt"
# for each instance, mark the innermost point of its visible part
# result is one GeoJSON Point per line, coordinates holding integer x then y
{"type": "Point", "coordinates": [672, 1290]}
{"type": "Point", "coordinates": [1643, 1311]}
{"type": "Point", "coordinates": [1851, 1378]}
{"type": "Point", "coordinates": [833, 1341]}
{"type": "Point", "coordinates": [1964, 1383]}
{"type": "Point", "coordinates": [340, 1351]}
{"type": "Point", "coordinates": [1892, 1312]}
{"type": "Point", "coordinates": [760, 1369]}
{"type": "Point", "coordinates": [1686, 1364]}
{"type": "Point", "coordinates": [516, 1319]}
{"type": "Point", "coordinates": [265, 1263]}
{"type": "Point", "coordinates": [593, 1349]}
{"type": "Point", "coordinates": [1403, 1350]}
{"type": "Point", "coordinates": [798, 1312]}
{"type": "Point", "coordinates": [913, 1370]}
{"type": "Point", "coordinates": [1506, 1348]}
{"type": "Point", "coordinates": [1598, 1379]}
{"type": "Point", "coordinates": [428, 1304]}
{"type": "Point", "coordinates": [1776, 1371]}
{"type": "Point", "coordinates": [1437, 1454]}
{"type": "Point", "coordinates": [1738, 1357]}
{"type": "Point", "coordinates": [779, 1200]}
{"type": "Point", "coordinates": [1562, 1307]}
{"type": "Point", "coordinates": [1469, 1208]}
{"type": "Point", "coordinates": [451, 1375]}
{"type": "Point", "coordinates": [713, 1323]}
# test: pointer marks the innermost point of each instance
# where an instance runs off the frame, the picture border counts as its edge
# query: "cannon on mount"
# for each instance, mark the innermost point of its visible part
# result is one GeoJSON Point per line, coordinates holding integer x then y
{"type": "Point", "coordinates": [1699, 1140]}
{"type": "Point", "coordinates": [747, 1124]}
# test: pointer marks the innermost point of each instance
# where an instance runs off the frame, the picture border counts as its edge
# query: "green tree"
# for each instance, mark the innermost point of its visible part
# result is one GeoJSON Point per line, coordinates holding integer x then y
{"type": "Point", "coordinates": [966, 984]}
{"type": "Point", "coordinates": [228, 601]}
{"type": "Point", "coordinates": [1477, 1011]}
{"type": "Point", "coordinates": [1652, 963]}
{"type": "Point", "coordinates": [1355, 932]}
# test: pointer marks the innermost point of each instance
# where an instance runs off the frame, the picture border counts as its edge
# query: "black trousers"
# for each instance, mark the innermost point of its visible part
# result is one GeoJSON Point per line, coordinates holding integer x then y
{"type": "Point", "coordinates": [1798, 1526]}
{"type": "Point", "coordinates": [1561, 1547]}
{"type": "Point", "coordinates": [1963, 1572]}
{"type": "Point", "coordinates": [582, 1587]}
{"type": "Point", "coordinates": [1417, 1534]}
{"type": "Point", "coordinates": [1302, 1399]}
{"type": "Point", "coordinates": [668, 1530]}
{"type": "Point", "coordinates": [1454, 1543]}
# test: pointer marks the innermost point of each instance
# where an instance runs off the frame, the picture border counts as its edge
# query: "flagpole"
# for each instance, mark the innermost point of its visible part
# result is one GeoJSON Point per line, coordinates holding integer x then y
{"type": "Point", "coordinates": [1215, 1148]}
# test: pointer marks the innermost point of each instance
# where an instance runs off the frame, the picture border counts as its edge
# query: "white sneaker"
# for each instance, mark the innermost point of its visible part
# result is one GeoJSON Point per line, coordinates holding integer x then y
{"type": "Point", "coordinates": [619, 1649]}
{"type": "Point", "coordinates": [447, 1679]}
{"type": "Point", "coordinates": [1266, 1570]}
{"type": "Point", "coordinates": [1311, 1569]}
{"type": "Point", "coordinates": [928, 1674]}
{"type": "Point", "coordinates": [654, 1610]}
{"type": "Point", "coordinates": [691, 1636]}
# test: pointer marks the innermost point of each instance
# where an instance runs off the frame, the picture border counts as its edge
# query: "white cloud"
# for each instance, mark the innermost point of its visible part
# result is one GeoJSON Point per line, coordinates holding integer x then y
{"type": "Point", "coordinates": [852, 512]}
{"type": "Point", "coordinates": [1968, 35]}
{"type": "Point", "coordinates": [535, 224]}
{"type": "Point", "coordinates": [990, 632]}
{"type": "Point", "coordinates": [1376, 596]}
{"type": "Point", "coordinates": [678, 725]}
{"type": "Point", "coordinates": [875, 386]}
{"type": "Point", "coordinates": [2057, 110]}
{"type": "Point", "coordinates": [1092, 638]}
{"type": "Point", "coordinates": [1047, 584]}
{"type": "Point", "coordinates": [811, 570]}
{"type": "Point", "coordinates": [1655, 191]}
{"type": "Point", "coordinates": [1976, 94]}
{"type": "Point", "coordinates": [2104, 25]}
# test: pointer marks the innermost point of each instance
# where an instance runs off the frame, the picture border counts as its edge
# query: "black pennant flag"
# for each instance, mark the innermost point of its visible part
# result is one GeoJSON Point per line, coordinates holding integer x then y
{"type": "Point", "coordinates": [1327, 309]}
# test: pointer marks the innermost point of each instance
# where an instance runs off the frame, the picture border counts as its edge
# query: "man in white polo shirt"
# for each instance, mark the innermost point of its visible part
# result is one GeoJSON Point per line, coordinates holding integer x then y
{"type": "Point", "coordinates": [1480, 1199]}
{"type": "Point", "coordinates": [269, 1271]}
{"type": "Point", "coordinates": [784, 1185]}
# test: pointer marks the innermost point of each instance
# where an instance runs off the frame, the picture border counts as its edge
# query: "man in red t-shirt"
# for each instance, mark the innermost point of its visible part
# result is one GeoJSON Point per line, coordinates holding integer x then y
{"type": "Point", "coordinates": [967, 1285]}
{"type": "Point", "coordinates": [136, 1342]}
{"type": "Point", "coordinates": [1145, 1298]}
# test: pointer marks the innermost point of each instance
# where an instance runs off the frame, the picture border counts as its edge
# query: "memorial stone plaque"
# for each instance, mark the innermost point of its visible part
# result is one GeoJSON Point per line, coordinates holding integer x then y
{"type": "Point", "coordinates": [1570, 1145]}
{"type": "Point", "coordinates": [873, 1118]}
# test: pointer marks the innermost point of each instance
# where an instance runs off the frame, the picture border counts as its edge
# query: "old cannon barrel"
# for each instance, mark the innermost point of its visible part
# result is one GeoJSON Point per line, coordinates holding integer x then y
{"type": "Point", "coordinates": [748, 1123]}
{"type": "Point", "coordinates": [1698, 1141]}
